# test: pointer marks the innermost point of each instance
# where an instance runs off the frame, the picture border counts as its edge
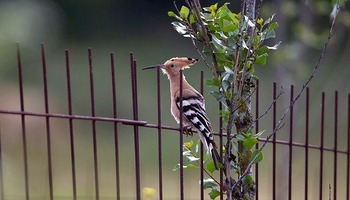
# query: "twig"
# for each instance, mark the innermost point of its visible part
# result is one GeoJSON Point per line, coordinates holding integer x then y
{"type": "Point", "coordinates": [270, 107]}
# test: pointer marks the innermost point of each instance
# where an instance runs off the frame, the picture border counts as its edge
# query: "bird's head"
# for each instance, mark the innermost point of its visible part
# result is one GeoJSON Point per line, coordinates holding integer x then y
{"type": "Point", "coordinates": [173, 66]}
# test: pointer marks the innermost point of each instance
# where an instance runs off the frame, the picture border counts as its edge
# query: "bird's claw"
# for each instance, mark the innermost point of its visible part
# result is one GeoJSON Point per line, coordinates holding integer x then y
{"type": "Point", "coordinates": [188, 131]}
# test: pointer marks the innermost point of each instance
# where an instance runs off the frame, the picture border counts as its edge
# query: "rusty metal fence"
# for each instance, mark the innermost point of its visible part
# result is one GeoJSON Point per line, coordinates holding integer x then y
{"type": "Point", "coordinates": [291, 169]}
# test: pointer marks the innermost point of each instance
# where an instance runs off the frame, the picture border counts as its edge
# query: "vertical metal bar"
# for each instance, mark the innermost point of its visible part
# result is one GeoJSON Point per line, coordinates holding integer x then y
{"type": "Point", "coordinates": [257, 145]}
{"type": "Point", "coordinates": [335, 145]}
{"type": "Point", "coordinates": [307, 143]}
{"type": "Point", "coordinates": [181, 141]}
{"type": "Point", "coordinates": [2, 195]}
{"type": "Point", "coordinates": [71, 132]}
{"type": "Point", "coordinates": [290, 143]}
{"type": "Point", "coordinates": [93, 125]}
{"type": "Point", "coordinates": [274, 144]}
{"type": "Point", "coordinates": [48, 134]}
{"type": "Point", "coordinates": [23, 123]}
{"type": "Point", "coordinates": [322, 146]}
{"type": "Point", "coordinates": [160, 158]}
{"type": "Point", "coordinates": [348, 156]}
{"type": "Point", "coordinates": [221, 142]}
{"type": "Point", "coordinates": [136, 128]}
{"type": "Point", "coordinates": [115, 115]}
{"type": "Point", "coordinates": [201, 149]}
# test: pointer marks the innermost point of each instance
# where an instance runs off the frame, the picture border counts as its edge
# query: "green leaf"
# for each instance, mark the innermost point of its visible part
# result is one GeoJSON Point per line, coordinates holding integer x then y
{"type": "Point", "coordinates": [180, 28]}
{"type": "Point", "coordinates": [226, 77]}
{"type": "Point", "coordinates": [262, 50]}
{"type": "Point", "coordinates": [269, 20]}
{"type": "Point", "coordinates": [213, 9]}
{"type": "Point", "coordinates": [197, 146]}
{"type": "Point", "coordinates": [210, 166]}
{"type": "Point", "coordinates": [248, 180]}
{"type": "Point", "coordinates": [217, 95]}
{"type": "Point", "coordinates": [219, 44]}
{"type": "Point", "coordinates": [249, 143]}
{"type": "Point", "coordinates": [259, 134]}
{"type": "Point", "coordinates": [214, 193]}
{"type": "Point", "coordinates": [191, 19]}
{"type": "Point", "coordinates": [189, 144]}
{"type": "Point", "coordinates": [228, 70]}
{"type": "Point", "coordinates": [176, 167]}
{"type": "Point", "coordinates": [270, 34]}
{"type": "Point", "coordinates": [186, 153]}
{"type": "Point", "coordinates": [254, 77]}
{"type": "Point", "coordinates": [171, 14]}
{"type": "Point", "coordinates": [222, 57]}
{"type": "Point", "coordinates": [192, 166]}
{"type": "Point", "coordinates": [244, 45]}
{"type": "Point", "coordinates": [275, 47]}
{"type": "Point", "coordinates": [184, 12]}
{"type": "Point", "coordinates": [240, 137]}
{"type": "Point", "coordinates": [261, 60]}
{"type": "Point", "coordinates": [249, 22]}
{"type": "Point", "coordinates": [192, 158]}
{"type": "Point", "coordinates": [212, 82]}
{"type": "Point", "coordinates": [259, 155]}
{"type": "Point", "coordinates": [234, 18]}
{"type": "Point", "coordinates": [209, 183]}
{"type": "Point", "coordinates": [227, 26]}
{"type": "Point", "coordinates": [274, 25]}
{"type": "Point", "coordinates": [225, 85]}
{"type": "Point", "coordinates": [235, 146]}
{"type": "Point", "coordinates": [223, 11]}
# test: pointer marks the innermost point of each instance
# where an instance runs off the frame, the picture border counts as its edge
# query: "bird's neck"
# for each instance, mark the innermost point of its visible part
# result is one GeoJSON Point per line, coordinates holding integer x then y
{"type": "Point", "coordinates": [175, 83]}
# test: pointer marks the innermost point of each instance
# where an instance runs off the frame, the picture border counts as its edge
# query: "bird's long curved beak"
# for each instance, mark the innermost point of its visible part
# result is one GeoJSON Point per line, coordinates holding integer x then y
{"type": "Point", "coordinates": [153, 67]}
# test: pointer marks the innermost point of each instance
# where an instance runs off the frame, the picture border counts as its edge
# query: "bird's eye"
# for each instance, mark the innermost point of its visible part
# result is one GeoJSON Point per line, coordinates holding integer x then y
{"type": "Point", "coordinates": [171, 65]}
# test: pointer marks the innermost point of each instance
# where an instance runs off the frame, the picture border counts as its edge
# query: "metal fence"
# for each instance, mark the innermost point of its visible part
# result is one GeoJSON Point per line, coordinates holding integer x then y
{"type": "Point", "coordinates": [291, 169]}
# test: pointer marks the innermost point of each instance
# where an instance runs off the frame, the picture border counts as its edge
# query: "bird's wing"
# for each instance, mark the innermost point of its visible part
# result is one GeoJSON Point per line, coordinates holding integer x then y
{"type": "Point", "coordinates": [194, 111]}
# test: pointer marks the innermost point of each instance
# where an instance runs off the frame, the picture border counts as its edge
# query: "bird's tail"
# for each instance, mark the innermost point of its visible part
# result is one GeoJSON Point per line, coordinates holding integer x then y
{"type": "Point", "coordinates": [216, 157]}
{"type": "Point", "coordinates": [210, 145]}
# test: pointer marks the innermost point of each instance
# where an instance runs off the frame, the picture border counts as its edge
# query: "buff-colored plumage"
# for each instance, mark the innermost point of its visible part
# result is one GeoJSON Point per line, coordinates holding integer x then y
{"type": "Point", "coordinates": [193, 107]}
{"type": "Point", "coordinates": [173, 74]}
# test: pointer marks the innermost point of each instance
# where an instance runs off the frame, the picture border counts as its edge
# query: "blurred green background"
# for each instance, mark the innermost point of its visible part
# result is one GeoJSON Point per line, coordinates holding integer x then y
{"type": "Point", "coordinates": [144, 28]}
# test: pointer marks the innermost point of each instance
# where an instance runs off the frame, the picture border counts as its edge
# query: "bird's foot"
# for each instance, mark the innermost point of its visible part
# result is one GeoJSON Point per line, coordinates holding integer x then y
{"type": "Point", "coordinates": [188, 131]}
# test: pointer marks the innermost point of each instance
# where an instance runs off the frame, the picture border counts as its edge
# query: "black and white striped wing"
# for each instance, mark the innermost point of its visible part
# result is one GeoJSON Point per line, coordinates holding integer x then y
{"type": "Point", "coordinates": [193, 108]}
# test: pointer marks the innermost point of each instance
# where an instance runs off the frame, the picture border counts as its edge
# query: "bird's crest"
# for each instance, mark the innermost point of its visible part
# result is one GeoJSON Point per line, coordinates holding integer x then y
{"type": "Point", "coordinates": [182, 62]}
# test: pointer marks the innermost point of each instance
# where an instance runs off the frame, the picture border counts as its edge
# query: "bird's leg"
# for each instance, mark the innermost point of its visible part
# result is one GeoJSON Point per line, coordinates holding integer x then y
{"type": "Point", "coordinates": [188, 130]}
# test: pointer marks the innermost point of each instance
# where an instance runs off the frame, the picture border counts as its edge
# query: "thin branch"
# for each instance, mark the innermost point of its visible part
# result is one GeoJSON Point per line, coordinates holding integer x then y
{"type": "Point", "coordinates": [278, 126]}
{"type": "Point", "coordinates": [270, 107]}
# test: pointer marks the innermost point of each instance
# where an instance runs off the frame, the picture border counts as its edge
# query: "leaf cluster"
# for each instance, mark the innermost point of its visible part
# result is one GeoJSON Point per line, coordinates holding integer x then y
{"type": "Point", "coordinates": [234, 43]}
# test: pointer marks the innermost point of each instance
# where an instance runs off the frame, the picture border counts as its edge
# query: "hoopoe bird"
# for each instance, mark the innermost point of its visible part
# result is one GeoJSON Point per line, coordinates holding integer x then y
{"type": "Point", "coordinates": [193, 106]}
